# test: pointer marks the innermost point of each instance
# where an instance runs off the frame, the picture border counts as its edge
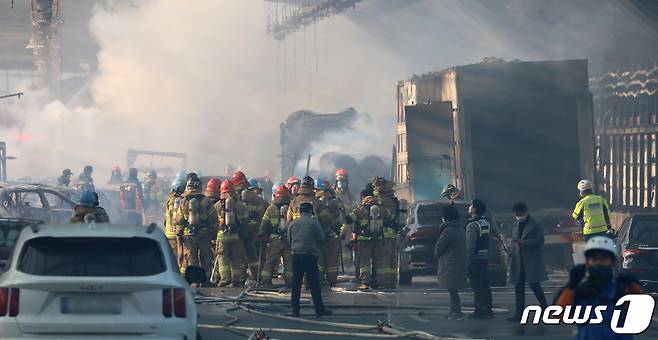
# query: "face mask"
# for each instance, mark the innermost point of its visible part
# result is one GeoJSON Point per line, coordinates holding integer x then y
{"type": "Point", "coordinates": [340, 184]}
{"type": "Point", "coordinates": [521, 218]}
{"type": "Point", "coordinates": [600, 275]}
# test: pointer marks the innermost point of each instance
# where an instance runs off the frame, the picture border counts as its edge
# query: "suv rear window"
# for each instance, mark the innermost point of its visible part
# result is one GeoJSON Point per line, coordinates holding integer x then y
{"type": "Point", "coordinates": [431, 214]}
{"type": "Point", "coordinates": [644, 232]}
{"type": "Point", "coordinates": [91, 256]}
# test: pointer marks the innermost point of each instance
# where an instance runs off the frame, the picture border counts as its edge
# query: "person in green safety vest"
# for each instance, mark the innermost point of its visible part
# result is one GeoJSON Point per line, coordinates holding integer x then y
{"type": "Point", "coordinates": [591, 211]}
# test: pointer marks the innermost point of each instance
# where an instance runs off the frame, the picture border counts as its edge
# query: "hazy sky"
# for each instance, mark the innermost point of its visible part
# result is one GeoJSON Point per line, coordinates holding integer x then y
{"type": "Point", "coordinates": [204, 78]}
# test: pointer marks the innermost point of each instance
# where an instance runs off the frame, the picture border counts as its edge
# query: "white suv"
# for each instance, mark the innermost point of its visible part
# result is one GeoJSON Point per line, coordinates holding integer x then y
{"type": "Point", "coordinates": [94, 281]}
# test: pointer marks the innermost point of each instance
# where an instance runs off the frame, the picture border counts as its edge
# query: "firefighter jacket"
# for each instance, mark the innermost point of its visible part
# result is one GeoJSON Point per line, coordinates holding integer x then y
{"type": "Point", "coordinates": [256, 207]}
{"type": "Point", "coordinates": [274, 220]}
{"type": "Point", "coordinates": [389, 207]}
{"type": "Point", "coordinates": [346, 197]}
{"type": "Point", "coordinates": [171, 207]}
{"type": "Point", "coordinates": [190, 219]}
{"type": "Point", "coordinates": [306, 195]}
{"type": "Point", "coordinates": [335, 212]}
{"type": "Point", "coordinates": [369, 219]}
{"type": "Point", "coordinates": [592, 210]}
{"type": "Point", "coordinates": [152, 191]}
{"type": "Point", "coordinates": [79, 213]}
{"type": "Point", "coordinates": [130, 195]}
{"type": "Point", "coordinates": [231, 216]}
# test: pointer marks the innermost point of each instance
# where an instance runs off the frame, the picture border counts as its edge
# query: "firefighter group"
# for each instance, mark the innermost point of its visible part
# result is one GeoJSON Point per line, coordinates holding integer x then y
{"type": "Point", "coordinates": [230, 230]}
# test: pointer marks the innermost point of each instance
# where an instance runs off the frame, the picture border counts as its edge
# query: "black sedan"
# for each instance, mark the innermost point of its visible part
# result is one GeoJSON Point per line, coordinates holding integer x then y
{"type": "Point", "coordinates": [419, 235]}
{"type": "Point", "coordinates": [637, 243]}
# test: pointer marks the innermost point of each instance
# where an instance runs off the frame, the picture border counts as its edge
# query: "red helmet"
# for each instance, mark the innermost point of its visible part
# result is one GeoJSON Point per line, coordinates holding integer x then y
{"type": "Point", "coordinates": [227, 186]}
{"type": "Point", "coordinates": [213, 185]}
{"type": "Point", "coordinates": [238, 177]}
{"type": "Point", "coordinates": [116, 168]}
{"type": "Point", "coordinates": [341, 173]}
{"type": "Point", "coordinates": [282, 191]}
{"type": "Point", "coordinates": [292, 180]}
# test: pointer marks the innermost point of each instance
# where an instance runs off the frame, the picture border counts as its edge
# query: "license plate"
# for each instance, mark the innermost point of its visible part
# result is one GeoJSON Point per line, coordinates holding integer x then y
{"type": "Point", "coordinates": [90, 304]}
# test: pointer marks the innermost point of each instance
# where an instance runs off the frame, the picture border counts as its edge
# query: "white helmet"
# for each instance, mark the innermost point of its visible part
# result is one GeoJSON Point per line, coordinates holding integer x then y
{"type": "Point", "coordinates": [585, 184]}
{"type": "Point", "coordinates": [601, 243]}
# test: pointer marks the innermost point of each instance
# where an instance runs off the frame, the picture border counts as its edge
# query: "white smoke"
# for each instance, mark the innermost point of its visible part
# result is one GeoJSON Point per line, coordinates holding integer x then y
{"type": "Point", "coordinates": [203, 77]}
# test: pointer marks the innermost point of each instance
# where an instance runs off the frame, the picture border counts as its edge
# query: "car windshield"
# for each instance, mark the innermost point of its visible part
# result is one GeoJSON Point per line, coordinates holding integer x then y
{"type": "Point", "coordinates": [644, 232]}
{"type": "Point", "coordinates": [429, 215]}
{"type": "Point", "coordinates": [91, 256]}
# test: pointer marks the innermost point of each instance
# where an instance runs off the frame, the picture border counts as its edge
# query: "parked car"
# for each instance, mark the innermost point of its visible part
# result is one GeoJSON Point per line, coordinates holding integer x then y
{"type": "Point", "coordinates": [419, 235]}
{"type": "Point", "coordinates": [10, 228]}
{"type": "Point", "coordinates": [36, 202]}
{"type": "Point", "coordinates": [637, 242]}
{"type": "Point", "coordinates": [104, 280]}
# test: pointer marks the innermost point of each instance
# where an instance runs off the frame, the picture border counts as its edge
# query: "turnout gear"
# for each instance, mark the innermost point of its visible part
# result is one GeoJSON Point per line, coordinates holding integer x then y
{"type": "Point", "coordinates": [230, 259]}
{"type": "Point", "coordinates": [81, 213]}
{"type": "Point", "coordinates": [65, 178]}
{"type": "Point", "coordinates": [308, 181]}
{"type": "Point", "coordinates": [592, 211]}
{"type": "Point", "coordinates": [274, 225]}
{"type": "Point", "coordinates": [153, 196]}
{"type": "Point", "coordinates": [254, 247]}
{"type": "Point", "coordinates": [387, 213]}
{"type": "Point", "coordinates": [329, 259]}
{"type": "Point", "coordinates": [131, 199]}
{"type": "Point", "coordinates": [341, 188]}
{"type": "Point", "coordinates": [293, 185]}
{"type": "Point", "coordinates": [175, 241]}
{"type": "Point", "coordinates": [196, 221]}
{"type": "Point", "coordinates": [87, 199]}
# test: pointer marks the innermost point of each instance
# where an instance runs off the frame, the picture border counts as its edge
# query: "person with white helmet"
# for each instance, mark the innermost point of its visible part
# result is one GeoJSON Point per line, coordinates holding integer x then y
{"type": "Point", "coordinates": [591, 211]}
{"type": "Point", "coordinates": [593, 284]}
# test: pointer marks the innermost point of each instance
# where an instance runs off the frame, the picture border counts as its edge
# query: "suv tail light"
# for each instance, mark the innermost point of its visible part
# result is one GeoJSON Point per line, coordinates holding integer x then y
{"type": "Point", "coordinates": [166, 303]}
{"type": "Point", "coordinates": [174, 303]}
{"type": "Point", "coordinates": [631, 251]}
{"type": "Point", "coordinates": [180, 309]}
{"type": "Point", "coordinates": [9, 298]}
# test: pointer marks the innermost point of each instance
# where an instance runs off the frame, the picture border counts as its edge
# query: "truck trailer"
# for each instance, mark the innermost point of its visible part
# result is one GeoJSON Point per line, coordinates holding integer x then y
{"type": "Point", "coordinates": [501, 132]}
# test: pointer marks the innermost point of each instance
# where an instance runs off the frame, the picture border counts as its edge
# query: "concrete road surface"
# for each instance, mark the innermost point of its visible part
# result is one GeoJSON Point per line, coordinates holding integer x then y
{"type": "Point", "coordinates": [418, 307]}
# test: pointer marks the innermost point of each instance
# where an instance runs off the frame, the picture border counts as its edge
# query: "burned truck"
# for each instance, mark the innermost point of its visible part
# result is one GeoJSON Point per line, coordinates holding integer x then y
{"type": "Point", "coordinates": [302, 135]}
{"type": "Point", "coordinates": [502, 132]}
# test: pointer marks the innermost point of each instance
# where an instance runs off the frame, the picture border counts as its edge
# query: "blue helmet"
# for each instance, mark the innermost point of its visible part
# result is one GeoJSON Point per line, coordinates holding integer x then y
{"type": "Point", "coordinates": [276, 186]}
{"type": "Point", "coordinates": [253, 183]}
{"type": "Point", "coordinates": [181, 175]}
{"type": "Point", "coordinates": [321, 184]}
{"type": "Point", "coordinates": [178, 185]}
{"type": "Point", "coordinates": [87, 199]}
{"type": "Point", "coordinates": [198, 173]}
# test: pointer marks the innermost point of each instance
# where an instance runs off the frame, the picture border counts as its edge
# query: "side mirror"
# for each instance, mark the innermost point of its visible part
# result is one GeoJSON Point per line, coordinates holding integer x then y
{"type": "Point", "coordinates": [194, 274]}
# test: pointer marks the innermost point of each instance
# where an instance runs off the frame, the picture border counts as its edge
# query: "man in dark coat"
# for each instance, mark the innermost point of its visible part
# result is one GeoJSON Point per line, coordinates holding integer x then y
{"type": "Point", "coordinates": [450, 251]}
{"type": "Point", "coordinates": [527, 262]}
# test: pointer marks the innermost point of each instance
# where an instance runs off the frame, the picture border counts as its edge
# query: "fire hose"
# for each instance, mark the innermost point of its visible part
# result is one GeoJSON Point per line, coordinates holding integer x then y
{"type": "Point", "coordinates": [389, 332]}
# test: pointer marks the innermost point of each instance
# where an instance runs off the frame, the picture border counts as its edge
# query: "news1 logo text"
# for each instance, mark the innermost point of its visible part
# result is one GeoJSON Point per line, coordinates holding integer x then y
{"type": "Point", "coordinates": [640, 308]}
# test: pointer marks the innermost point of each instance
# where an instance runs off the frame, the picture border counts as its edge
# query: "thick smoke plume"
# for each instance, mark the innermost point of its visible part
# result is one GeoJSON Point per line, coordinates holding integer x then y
{"type": "Point", "coordinates": [203, 77]}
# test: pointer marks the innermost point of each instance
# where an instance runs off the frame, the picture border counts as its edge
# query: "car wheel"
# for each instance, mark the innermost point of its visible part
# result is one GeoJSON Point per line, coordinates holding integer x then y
{"type": "Point", "coordinates": [198, 336]}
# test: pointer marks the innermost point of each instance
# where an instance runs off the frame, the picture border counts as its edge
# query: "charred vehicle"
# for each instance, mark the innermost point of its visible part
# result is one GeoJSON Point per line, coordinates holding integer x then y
{"type": "Point", "coordinates": [418, 237]}
{"type": "Point", "coordinates": [35, 202]}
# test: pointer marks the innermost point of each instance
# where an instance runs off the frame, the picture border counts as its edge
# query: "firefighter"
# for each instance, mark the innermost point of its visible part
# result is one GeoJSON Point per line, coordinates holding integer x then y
{"type": "Point", "coordinates": [130, 198]}
{"type": "Point", "coordinates": [85, 178]}
{"type": "Point", "coordinates": [152, 190]}
{"type": "Point", "coordinates": [387, 253]}
{"type": "Point", "coordinates": [293, 185]}
{"type": "Point", "coordinates": [591, 211]}
{"type": "Point", "coordinates": [368, 232]}
{"type": "Point", "coordinates": [87, 210]}
{"type": "Point", "coordinates": [116, 177]}
{"type": "Point", "coordinates": [171, 207]}
{"type": "Point", "coordinates": [254, 247]}
{"type": "Point", "coordinates": [230, 261]}
{"type": "Point", "coordinates": [196, 221]}
{"type": "Point", "coordinates": [274, 226]}
{"type": "Point", "coordinates": [213, 189]}
{"type": "Point", "coordinates": [306, 194]}
{"type": "Point", "coordinates": [342, 190]}
{"type": "Point", "coordinates": [329, 258]}
{"type": "Point", "coordinates": [65, 179]}
{"type": "Point", "coordinates": [593, 284]}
